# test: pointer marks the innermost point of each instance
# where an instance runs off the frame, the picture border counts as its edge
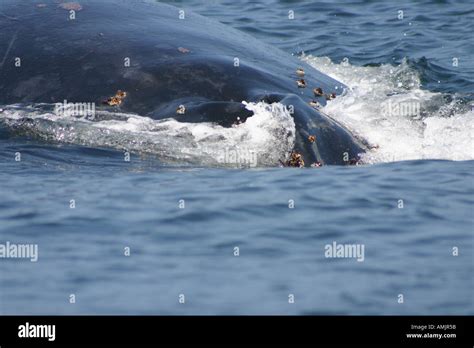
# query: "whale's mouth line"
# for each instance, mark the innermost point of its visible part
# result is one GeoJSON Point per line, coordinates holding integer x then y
{"type": "Point", "coordinates": [264, 139]}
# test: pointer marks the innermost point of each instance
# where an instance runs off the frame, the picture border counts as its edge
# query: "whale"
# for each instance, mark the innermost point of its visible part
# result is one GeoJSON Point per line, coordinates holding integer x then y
{"type": "Point", "coordinates": [166, 62]}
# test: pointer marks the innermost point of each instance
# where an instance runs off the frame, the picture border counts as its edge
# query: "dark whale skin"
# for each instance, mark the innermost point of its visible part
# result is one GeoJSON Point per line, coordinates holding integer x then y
{"type": "Point", "coordinates": [82, 60]}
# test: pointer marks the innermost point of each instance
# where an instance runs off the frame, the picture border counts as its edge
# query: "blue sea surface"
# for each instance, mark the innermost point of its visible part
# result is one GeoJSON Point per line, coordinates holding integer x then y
{"type": "Point", "coordinates": [250, 241]}
{"type": "Point", "coordinates": [190, 251]}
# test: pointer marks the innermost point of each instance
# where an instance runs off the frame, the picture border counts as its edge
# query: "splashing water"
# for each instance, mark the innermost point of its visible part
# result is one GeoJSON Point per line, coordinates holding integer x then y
{"type": "Point", "coordinates": [263, 140]}
{"type": "Point", "coordinates": [387, 106]}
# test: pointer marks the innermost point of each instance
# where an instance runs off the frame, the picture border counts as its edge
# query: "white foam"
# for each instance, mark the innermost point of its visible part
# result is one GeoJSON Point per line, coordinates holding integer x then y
{"type": "Point", "coordinates": [263, 140]}
{"type": "Point", "coordinates": [369, 108]}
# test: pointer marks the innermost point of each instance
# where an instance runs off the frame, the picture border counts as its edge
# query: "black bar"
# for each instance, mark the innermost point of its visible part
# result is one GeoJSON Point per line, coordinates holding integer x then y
{"type": "Point", "coordinates": [287, 330]}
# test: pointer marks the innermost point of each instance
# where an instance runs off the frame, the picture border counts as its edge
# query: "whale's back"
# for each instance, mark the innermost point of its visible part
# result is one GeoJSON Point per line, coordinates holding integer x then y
{"type": "Point", "coordinates": [152, 50]}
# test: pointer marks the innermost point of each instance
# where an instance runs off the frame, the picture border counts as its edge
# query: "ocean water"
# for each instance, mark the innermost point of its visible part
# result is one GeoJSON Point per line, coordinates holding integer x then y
{"type": "Point", "coordinates": [410, 206]}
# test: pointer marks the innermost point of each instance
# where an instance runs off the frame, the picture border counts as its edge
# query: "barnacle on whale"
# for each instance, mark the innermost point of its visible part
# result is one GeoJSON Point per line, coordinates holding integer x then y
{"type": "Point", "coordinates": [330, 96]}
{"type": "Point", "coordinates": [121, 94]}
{"type": "Point", "coordinates": [116, 99]}
{"type": "Point", "coordinates": [300, 72]}
{"type": "Point", "coordinates": [312, 138]}
{"type": "Point", "coordinates": [296, 160]}
{"type": "Point", "coordinates": [181, 110]}
{"type": "Point", "coordinates": [301, 83]}
{"type": "Point", "coordinates": [314, 104]}
{"type": "Point", "coordinates": [318, 92]}
{"type": "Point", "coordinates": [354, 161]}
{"type": "Point", "coordinates": [316, 164]}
